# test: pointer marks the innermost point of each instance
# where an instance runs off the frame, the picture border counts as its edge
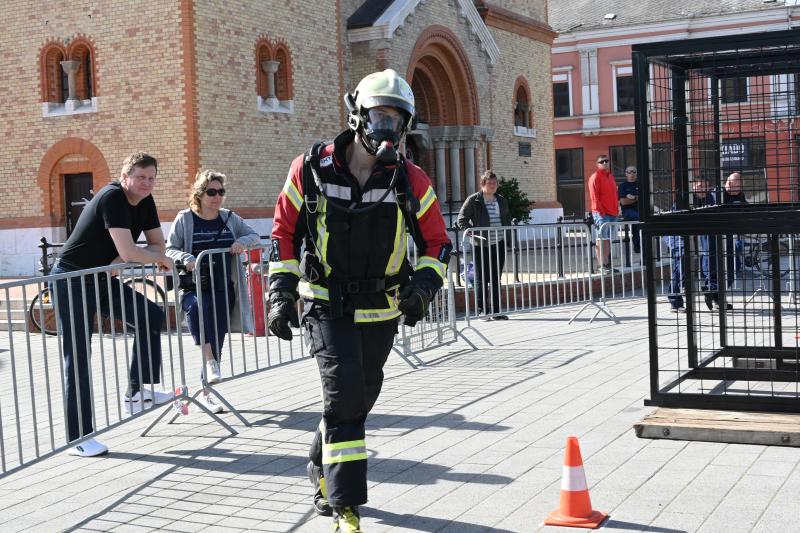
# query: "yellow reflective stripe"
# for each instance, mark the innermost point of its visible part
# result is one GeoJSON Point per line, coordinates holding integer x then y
{"type": "Point", "coordinates": [345, 444]}
{"type": "Point", "coordinates": [322, 235]}
{"type": "Point", "coordinates": [342, 452]}
{"type": "Point", "coordinates": [345, 458]}
{"type": "Point", "coordinates": [399, 250]}
{"type": "Point", "coordinates": [426, 202]}
{"type": "Point", "coordinates": [427, 261]}
{"type": "Point", "coordinates": [378, 315]}
{"type": "Point", "coordinates": [291, 266]}
{"type": "Point", "coordinates": [292, 193]}
{"type": "Point", "coordinates": [313, 292]}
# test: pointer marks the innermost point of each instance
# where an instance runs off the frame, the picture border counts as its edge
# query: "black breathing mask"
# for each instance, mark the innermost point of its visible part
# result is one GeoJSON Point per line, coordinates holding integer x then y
{"type": "Point", "coordinates": [381, 132]}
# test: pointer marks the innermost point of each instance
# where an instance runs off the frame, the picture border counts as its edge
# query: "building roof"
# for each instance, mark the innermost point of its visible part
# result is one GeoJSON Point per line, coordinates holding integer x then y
{"type": "Point", "coordinates": [566, 16]}
{"type": "Point", "coordinates": [368, 13]}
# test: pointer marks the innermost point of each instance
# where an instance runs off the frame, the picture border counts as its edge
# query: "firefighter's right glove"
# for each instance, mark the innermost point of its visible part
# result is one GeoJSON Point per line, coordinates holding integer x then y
{"type": "Point", "coordinates": [414, 301]}
{"type": "Point", "coordinates": [282, 314]}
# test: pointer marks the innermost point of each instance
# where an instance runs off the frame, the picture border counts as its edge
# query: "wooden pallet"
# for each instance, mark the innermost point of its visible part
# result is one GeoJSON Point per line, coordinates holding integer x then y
{"type": "Point", "coordinates": [734, 427]}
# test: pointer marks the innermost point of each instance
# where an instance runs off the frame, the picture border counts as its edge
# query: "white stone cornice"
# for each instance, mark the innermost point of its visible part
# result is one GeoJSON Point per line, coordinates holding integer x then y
{"type": "Point", "coordinates": [386, 25]}
{"type": "Point", "coordinates": [478, 27]}
{"type": "Point", "coordinates": [399, 11]}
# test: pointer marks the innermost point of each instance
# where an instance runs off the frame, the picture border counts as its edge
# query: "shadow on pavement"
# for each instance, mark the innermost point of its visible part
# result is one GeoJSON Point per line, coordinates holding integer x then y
{"type": "Point", "coordinates": [426, 523]}
{"type": "Point", "coordinates": [633, 526]}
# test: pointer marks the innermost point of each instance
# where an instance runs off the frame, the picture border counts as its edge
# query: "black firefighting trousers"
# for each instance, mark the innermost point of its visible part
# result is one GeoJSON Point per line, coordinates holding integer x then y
{"type": "Point", "coordinates": [350, 359]}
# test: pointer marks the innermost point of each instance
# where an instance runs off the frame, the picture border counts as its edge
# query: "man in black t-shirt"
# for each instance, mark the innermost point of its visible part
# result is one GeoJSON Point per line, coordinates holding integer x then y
{"type": "Point", "coordinates": [106, 233]}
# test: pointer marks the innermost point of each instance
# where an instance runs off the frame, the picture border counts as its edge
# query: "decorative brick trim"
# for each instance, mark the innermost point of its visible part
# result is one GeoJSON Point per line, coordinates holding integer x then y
{"type": "Point", "coordinates": [274, 50]}
{"type": "Point", "coordinates": [546, 205]}
{"type": "Point", "coordinates": [191, 110]}
{"type": "Point", "coordinates": [503, 19]}
{"type": "Point", "coordinates": [438, 48]}
{"type": "Point", "coordinates": [284, 86]}
{"type": "Point", "coordinates": [29, 222]}
{"type": "Point", "coordinates": [83, 41]}
{"type": "Point", "coordinates": [51, 53]}
{"type": "Point", "coordinates": [264, 52]}
{"type": "Point", "coordinates": [52, 168]}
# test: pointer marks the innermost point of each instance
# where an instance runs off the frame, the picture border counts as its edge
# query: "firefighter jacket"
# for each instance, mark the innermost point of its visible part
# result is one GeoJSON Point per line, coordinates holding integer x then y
{"type": "Point", "coordinates": [355, 262]}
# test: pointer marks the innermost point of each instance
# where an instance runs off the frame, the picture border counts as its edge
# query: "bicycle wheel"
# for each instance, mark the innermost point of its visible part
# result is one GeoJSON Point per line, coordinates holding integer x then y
{"type": "Point", "coordinates": [148, 287]}
{"type": "Point", "coordinates": [42, 313]}
{"type": "Point", "coordinates": [764, 263]}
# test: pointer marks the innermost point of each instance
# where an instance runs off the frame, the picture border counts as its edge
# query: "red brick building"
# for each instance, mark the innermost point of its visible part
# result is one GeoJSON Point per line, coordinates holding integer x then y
{"type": "Point", "coordinates": [244, 87]}
{"type": "Point", "coordinates": [593, 85]}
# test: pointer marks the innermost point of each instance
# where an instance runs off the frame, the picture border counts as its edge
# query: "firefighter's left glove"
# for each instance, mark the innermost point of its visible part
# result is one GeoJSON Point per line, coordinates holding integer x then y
{"type": "Point", "coordinates": [282, 314]}
{"type": "Point", "coordinates": [414, 301]}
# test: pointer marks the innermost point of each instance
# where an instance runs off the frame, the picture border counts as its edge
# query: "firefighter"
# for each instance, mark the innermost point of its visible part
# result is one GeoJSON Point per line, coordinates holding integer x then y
{"type": "Point", "coordinates": [348, 207]}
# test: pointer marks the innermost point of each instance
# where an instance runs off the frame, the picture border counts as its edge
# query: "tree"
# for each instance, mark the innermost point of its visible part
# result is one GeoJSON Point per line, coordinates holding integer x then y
{"type": "Point", "coordinates": [519, 206]}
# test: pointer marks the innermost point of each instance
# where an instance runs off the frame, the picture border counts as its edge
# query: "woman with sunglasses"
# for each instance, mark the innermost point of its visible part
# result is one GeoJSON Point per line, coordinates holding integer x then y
{"type": "Point", "coordinates": [206, 226]}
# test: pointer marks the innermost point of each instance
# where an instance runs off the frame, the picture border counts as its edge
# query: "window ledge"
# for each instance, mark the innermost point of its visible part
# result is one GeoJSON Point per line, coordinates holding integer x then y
{"type": "Point", "coordinates": [520, 131]}
{"type": "Point", "coordinates": [273, 105]}
{"type": "Point", "coordinates": [55, 109]}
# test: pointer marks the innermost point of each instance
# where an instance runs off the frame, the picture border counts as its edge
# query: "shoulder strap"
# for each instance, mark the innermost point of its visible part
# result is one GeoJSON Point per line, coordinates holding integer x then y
{"type": "Point", "coordinates": [311, 189]}
{"type": "Point", "coordinates": [406, 201]}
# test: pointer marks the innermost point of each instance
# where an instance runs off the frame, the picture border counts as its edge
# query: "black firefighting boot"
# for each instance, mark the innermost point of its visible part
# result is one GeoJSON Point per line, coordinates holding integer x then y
{"type": "Point", "coordinates": [346, 520]}
{"type": "Point", "coordinates": [321, 505]}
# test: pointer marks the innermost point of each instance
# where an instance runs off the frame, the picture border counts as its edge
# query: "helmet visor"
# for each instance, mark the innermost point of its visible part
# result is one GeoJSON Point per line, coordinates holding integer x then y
{"type": "Point", "coordinates": [382, 118]}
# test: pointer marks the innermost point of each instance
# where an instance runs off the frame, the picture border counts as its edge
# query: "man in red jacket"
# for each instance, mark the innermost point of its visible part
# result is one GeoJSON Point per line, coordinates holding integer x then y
{"type": "Point", "coordinates": [348, 204]}
{"type": "Point", "coordinates": [605, 208]}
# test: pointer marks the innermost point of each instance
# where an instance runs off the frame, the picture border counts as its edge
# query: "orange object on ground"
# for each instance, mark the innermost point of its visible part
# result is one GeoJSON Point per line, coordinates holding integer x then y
{"type": "Point", "coordinates": [256, 281]}
{"type": "Point", "coordinates": [575, 509]}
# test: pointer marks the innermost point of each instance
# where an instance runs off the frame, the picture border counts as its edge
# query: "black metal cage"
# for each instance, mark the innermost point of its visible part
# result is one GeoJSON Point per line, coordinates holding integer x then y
{"type": "Point", "coordinates": [719, 153]}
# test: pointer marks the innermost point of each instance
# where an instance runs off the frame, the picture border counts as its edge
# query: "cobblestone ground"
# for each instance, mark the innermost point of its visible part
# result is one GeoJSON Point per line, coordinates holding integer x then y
{"type": "Point", "coordinates": [472, 441]}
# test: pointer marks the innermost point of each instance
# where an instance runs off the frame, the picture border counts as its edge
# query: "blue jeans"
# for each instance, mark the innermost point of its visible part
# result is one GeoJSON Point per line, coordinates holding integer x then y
{"type": "Point", "coordinates": [677, 283]}
{"type": "Point", "coordinates": [215, 317]}
{"type": "Point", "coordinates": [141, 315]}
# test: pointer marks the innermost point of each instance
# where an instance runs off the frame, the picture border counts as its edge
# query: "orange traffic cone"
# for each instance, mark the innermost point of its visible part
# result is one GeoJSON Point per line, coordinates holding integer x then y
{"type": "Point", "coordinates": [575, 509]}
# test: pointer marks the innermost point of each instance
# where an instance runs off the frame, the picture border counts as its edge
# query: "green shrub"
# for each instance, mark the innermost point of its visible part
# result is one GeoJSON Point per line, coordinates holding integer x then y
{"type": "Point", "coordinates": [519, 205]}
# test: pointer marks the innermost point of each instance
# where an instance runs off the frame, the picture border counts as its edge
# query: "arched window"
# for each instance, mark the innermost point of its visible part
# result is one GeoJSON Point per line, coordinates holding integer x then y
{"type": "Point", "coordinates": [263, 53]}
{"type": "Point", "coordinates": [54, 80]}
{"type": "Point", "coordinates": [523, 110]}
{"type": "Point", "coordinates": [522, 113]}
{"type": "Point", "coordinates": [84, 80]}
{"type": "Point", "coordinates": [62, 68]}
{"type": "Point", "coordinates": [274, 77]}
{"type": "Point", "coordinates": [283, 78]}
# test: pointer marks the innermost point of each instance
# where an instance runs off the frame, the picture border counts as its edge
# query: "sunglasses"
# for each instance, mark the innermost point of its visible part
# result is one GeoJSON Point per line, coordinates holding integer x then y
{"type": "Point", "coordinates": [603, 161]}
{"type": "Point", "coordinates": [214, 192]}
{"type": "Point", "coordinates": [630, 172]}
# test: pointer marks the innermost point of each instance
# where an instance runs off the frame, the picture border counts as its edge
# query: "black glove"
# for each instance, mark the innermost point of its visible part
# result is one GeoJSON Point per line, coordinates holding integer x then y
{"type": "Point", "coordinates": [282, 314]}
{"type": "Point", "coordinates": [414, 300]}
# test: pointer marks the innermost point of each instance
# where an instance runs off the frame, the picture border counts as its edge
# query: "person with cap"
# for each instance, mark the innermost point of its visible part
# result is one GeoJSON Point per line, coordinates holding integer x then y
{"type": "Point", "coordinates": [347, 205]}
{"type": "Point", "coordinates": [629, 202]}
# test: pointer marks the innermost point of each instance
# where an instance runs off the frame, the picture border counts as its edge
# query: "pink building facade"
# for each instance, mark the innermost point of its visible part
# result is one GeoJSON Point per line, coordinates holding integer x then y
{"type": "Point", "coordinates": [592, 75]}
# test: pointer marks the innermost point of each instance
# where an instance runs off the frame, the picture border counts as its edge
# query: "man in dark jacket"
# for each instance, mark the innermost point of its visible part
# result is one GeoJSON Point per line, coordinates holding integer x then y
{"type": "Point", "coordinates": [486, 209]}
{"type": "Point", "coordinates": [351, 219]}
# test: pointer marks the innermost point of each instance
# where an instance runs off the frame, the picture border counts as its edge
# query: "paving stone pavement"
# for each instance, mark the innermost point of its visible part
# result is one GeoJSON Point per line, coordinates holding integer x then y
{"type": "Point", "coordinates": [473, 441]}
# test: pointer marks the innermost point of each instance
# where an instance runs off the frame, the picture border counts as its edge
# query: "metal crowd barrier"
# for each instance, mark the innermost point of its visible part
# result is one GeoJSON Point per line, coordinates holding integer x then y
{"type": "Point", "coordinates": [514, 269]}
{"type": "Point", "coordinates": [34, 401]}
{"type": "Point", "coordinates": [242, 352]}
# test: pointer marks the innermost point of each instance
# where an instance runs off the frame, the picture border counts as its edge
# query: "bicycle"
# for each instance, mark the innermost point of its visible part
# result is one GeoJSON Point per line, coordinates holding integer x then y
{"type": "Point", "coordinates": [42, 314]}
{"type": "Point", "coordinates": [757, 255]}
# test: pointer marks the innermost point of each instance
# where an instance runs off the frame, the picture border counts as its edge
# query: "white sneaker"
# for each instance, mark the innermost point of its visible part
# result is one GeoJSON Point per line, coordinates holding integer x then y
{"type": "Point", "coordinates": [89, 448]}
{"type": "Point", "coordinates": [210, 403]}
{"type": "Point", "coordinates": [213, 373]}
{"type": "Point", "coordinates": [136, 404]}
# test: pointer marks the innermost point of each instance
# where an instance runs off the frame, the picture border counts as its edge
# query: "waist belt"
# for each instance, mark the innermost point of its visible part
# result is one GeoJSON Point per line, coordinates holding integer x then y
{"type": "Point", "coordinates": [365, 286]}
